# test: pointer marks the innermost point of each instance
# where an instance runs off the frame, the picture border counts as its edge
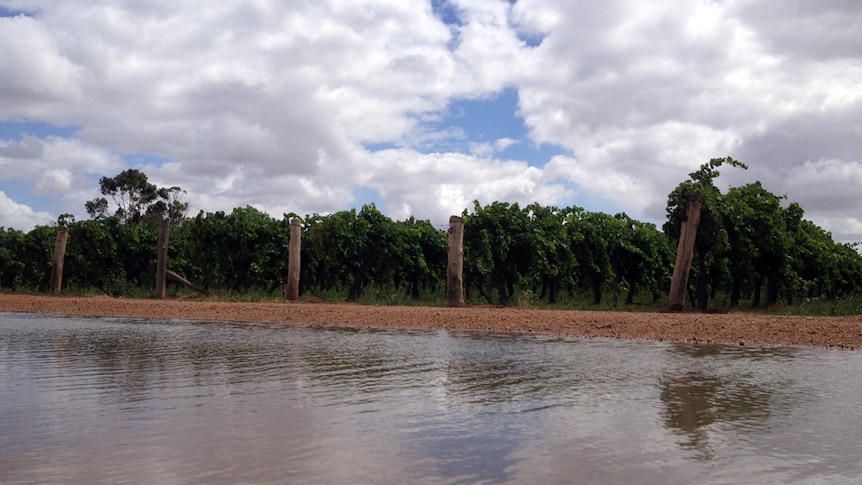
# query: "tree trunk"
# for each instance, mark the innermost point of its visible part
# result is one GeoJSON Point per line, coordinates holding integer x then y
{"type": "Point", "coordinates": [735, 291]}
{"type": "Point", "coordinates": [553, 289]}
{"type": "Point", "coordinates": [414, 288]}
{"type": "Point", "coordinates": [597, 290]}
{"type": "Point", "coordinates": [772, 286]}
{"type": "Point", "coordinates": [702, 288]}
{"type": "Point", "coordinates": [755, 300]}
{"type": "Point", "coordinates": [499, 284]}
{"type": "Point", "coordinates": [356, 286]}
{"type": "Point", "coordinates": [630, 296]}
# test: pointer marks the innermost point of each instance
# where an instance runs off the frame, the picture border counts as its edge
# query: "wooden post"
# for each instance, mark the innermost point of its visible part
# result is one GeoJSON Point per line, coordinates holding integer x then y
{"type": "Point", "coordinates": [455, 269]}
{"type": "Point", "coordinates": [59, 257]}
{"type": "Point", "coordinates": [293, 260]}
{"type": "Point", "coordinates": [685, 253]}
{"type": "Point", "coordinates": [162, 261]}
{"type": "Point", "coordinates": [179, 279]}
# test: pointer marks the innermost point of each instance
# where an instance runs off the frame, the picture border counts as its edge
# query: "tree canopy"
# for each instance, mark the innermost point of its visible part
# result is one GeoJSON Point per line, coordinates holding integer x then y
{"type": "Point", "coordinates": [136, 199]}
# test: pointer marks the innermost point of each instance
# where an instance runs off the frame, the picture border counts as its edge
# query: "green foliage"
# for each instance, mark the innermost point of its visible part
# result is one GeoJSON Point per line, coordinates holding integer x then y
{"type": "Point", "coordinates": [712, 242]}
{"type": "Point", "coordinates": [241, 250]}
{"type": "Point", "coordinates": [351, 251]}
{"type": "Point", "coordinates": [497, 249]}
{"type": "Point", "coordinates": [539, 250]}
{"type": "Point", "coordinates": [747, 243]}
{"type": "Point", "coordinates": [11, 268]}
{"type": "Point", "coordinates": [28, 257]}
{"type": "Point", "coordinates": [756, 229]}
{"type": "Point", "coordinates": [110, 256]}
{"type": "Point", "coordinates": [552, 259]}
{"type": "Point", "coordinates": [138, 200]}
{"type": "Point", "coordinates": [640, 258]}
{"type": "Point", "coordinates": [750, 247]}
{"type": "Point", "coordinates": [588, 238]}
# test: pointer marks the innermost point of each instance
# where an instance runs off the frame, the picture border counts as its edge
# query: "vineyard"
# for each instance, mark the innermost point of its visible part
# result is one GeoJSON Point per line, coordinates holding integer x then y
{"type": "Point", "coordinates": [751, 248]}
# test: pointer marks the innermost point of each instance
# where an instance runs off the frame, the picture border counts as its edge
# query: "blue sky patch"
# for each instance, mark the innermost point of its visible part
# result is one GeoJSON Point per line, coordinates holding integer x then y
{"type": "Point", "coordinates": [366, 195]}
{"type": "Point", "coordinates": [22, 192]}
{"type": "Point", "coordinates": [531, 39]}
{"type": "Point", "coordinates": [15, 130]}
{"type": "Point", "coordinates": [449, 15]}
{"type": "Point", "coordinates": [11, 12]}
{"type": "Point", "coordinates": [486, 121]}
{"type": "Point", "coordinates": [376, 147]}
{"type": "Point", "coordinates": [445, 11]}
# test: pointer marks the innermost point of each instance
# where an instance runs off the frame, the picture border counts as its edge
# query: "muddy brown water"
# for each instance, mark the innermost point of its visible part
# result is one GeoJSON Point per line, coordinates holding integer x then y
{"type": "Point", "coordinates": [120, 400]}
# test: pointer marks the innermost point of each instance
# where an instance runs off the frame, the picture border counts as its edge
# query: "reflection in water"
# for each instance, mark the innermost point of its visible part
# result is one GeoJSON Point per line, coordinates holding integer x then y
{"type": "Point", "coordinates": [695, 402]}
{"type": "Point", "coordinates": [131, 401]}
{"type": "Point", "coordinates": [702, 402]}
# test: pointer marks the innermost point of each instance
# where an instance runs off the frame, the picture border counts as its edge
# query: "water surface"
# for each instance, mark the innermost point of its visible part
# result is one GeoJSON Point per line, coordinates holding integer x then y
{"type": "Point", "coordinates": [102, 400]}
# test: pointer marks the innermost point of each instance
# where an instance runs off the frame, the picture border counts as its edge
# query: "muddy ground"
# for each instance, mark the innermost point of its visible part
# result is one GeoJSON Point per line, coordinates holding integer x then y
{"type": "Point", "coordinates": [738, 328]}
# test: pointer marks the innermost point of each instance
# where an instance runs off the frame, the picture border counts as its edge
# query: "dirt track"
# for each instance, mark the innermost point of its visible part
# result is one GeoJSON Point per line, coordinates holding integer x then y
{"type": "Point", "coordinates": [735, 328]}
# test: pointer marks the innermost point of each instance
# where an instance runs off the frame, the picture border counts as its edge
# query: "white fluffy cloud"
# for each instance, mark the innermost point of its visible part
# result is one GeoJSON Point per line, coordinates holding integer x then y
{"type": "Point", "coordinates": [428, 186]}
{"type": "Point", "coordinates": [19, 216]}
{"type": "Point", "coordinates": [280, 104]}
{"type": "Point", "coordinates": [36, 75]}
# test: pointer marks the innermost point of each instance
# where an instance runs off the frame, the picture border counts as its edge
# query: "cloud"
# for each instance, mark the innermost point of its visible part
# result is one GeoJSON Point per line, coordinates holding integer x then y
{"type": "Point", "coordinates": [29, 148]}
{"type": "Point", "coordinates": [435, 186]}
{"type": "Point", "coordinates": [37, 161]}
{"type": "Point", "coordinates": [643, 94]}
{"type": "Point", "coordinates": [806, 31]}
{"type": "Point", "coordinates": [489, 149]}
{"type": "Point", "coordinates": [36, 75]}
{"type": "Point", "coordinates": [310, 106]}
{"type": "Point", "coordinates": [19, 216]}
{"type": "Point", "coordinates": [828, 190]}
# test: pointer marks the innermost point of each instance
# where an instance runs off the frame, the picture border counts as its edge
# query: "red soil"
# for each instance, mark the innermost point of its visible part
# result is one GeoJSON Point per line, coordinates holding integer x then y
{"type": "Point", "coordinates": [734, 328]}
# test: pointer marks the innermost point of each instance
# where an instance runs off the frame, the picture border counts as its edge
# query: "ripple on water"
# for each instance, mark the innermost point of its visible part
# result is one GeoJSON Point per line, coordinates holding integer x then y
{"type": "Point", "coordinates": [93, 400]}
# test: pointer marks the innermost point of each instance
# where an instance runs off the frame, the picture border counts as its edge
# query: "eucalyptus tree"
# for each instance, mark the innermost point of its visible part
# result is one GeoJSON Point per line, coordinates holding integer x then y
{"type": "Point", "coordinates": [137, 199]}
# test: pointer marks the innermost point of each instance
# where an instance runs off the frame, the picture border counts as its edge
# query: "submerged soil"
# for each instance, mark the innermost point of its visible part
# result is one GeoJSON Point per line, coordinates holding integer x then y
{"type": "Point", "coordinates": [734, 328]}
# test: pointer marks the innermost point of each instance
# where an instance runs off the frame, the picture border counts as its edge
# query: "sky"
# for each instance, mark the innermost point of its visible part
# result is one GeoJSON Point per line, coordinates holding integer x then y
{"type": "Point", "coordinates": [422, 107]}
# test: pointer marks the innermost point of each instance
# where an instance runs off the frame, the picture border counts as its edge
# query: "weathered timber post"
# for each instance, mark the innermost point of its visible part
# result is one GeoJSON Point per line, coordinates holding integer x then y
{"type": "Point", "coordinates": [59, 257]}
{"type": "Point", "coordinates": [162, 261]}
{"type": "Point", "coordinates": [455, 269]}
{"type": "Point", "coordinates": [188, 284]}
{"type": "Point", "coordinates": [293, 261]}
{"type": "Point", "coordinates": [685, 253]}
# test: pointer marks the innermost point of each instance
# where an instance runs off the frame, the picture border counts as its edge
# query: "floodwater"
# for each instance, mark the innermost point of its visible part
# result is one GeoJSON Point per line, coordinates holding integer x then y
{"type": "Point", "coordinates": [112, 401]}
